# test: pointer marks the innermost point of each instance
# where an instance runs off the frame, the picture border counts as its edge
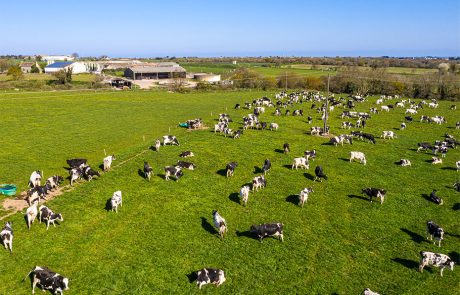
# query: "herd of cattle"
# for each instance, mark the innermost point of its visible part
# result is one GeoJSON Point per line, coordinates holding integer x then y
{"type": "Point", "coordinates": [79, 168]}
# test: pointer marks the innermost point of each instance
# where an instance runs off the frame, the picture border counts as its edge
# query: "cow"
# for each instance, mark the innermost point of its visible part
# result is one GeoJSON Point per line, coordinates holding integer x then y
{"type": "Point", "coordinates": [424, 146]}
{"type": "Point", "coordinates": [148, 170]}
{"type": "Point", "coordinates": [389, 134]}
{"type": "Point", "coordinates": [6, 235]}
{"type": "Point", "coordinates": [435, 199]}
{"type": "Point", "coordinates": [186, 154]}
{"type": "Point", "coordinates": [319, 130]}
{"type": "Point", "coordinates": [409, 118]}
{"type": "Point", "coordinates": [36, 193]}
{"type": "Point", "coordinates": [157, 145]}
{"type": "Point", "coordinates": [35, 179]}
{"type": "Point", "coordinates": [404, 162]}
{"type": "Point", "coordinates": [237, 134]}
{"type": "Point", "coordinates": [231, 168]}
{"type": "Point", "coordinates": [116, 201]}
{"type": "Point", "coordinates": [210, 276]}
{"type": "Point", "coordinates": [175, 171]}
{"type": "Point", "coordinates": [433, 105]}
{"type": "Point", "coordinates": [108, 162]}
{"type": "Point", "coordinates": [244, 194]}
{"type": "Point", "coordinates": [435, 230]}
{"type": "Point", "coordinates": [369, 137]}
{"type": "Point", "coordinates": [374, 192]}
{"type": "Point", "coordinates": [267, 166]}
{"type": "Point", "coordinates": [347, 125]}
{"type": "Point", "coordinates": [411, 111]}
{"type": "Point", "coordinates": [309, 154]}
{"type": "Point", "coordinates": [457, 186]}
{"type": "Point", "coordinates": [75, 174]}
{"type": "Point", "coordinates": [358, 156]}
{"type": "Point", "coordinates": [228, 131]}
{"type": "Point", "coordinates": [302, 162]}
{"type": "Point", "coordinates": [31, 214]}
{"type": "Point", "coordinates": [53, 182]}
{"type": "Point", "coordinates": [186, 165]}
{"type": "Point", "coordinates": [319, 173]}
{"type": "Point", "coordinates": [453, 107]}
{"type": "Point", "coordinates": [258, 182]}
{"type": "Point", "coordinates": [219, 223]}
{"type": "Point", "coordinates": [277, 112]}
{"type": "Point", "coordinates": [286, 148]}
{"type": "Point", "coordinates": [385, 108]}
{"type": "Point", "coordinates": [47, 215]}
{"type": "Point", "coordinates": [268, 230]}
{"type": "Point", "coordinates": [170, 139]}
{"type": "Point", "coordinates": [77, 163]}
{"type": "Point", "coordinates": [368, 291]}
{"type": "Point", "coordinates": [457, 125]}
{"type": "Point", "coordinates": [89, 173]}
{"type": "Point", "coordinates": [435, 259]}
{"type": "Point", "coordinates": [436, 160]}
{"type": "Point", "coordinates": [303, 196]}
{"type": "Point", "coordinates": [457, 164]}
{"type": "Point", "coordinates": [48, 280]}
{"type": "Point", "coordinates": [309, 119]}
{"type": "Point", "coordinates": [237, 106]}
{"type": "Point", "coordinates": [274, 126]}
{"type": "Point", "coordinates": [403, 126]}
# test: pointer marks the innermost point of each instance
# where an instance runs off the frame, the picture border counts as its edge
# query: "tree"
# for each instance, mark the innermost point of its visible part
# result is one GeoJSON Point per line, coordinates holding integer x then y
{"type": "Point", "coordinates": [75, 55]}
{"type": "Point", "coordinates": [63, 76]}
{"type": "Point", "coordinates": [38, 58]}
{"type": "Point", "coordinates": [34, 69]}
{"type": "Point", "coordinates": [15, 72]}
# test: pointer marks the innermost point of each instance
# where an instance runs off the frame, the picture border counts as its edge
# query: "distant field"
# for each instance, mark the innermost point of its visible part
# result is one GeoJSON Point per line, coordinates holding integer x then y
{"type": "Point", "coordinates": [42, 77]}
{"type": "Point", "coordinates": [339, 243]}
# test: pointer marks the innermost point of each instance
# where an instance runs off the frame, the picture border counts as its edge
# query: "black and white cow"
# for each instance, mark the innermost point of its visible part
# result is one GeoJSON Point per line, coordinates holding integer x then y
{"type": "Point", "coordinates": [75, 174]}
{"type": "Point", "coordinates": [435, 230]}
{"type": "Point", "coordinates": [186, 154]}
{"type": "Point", "coordinates": [310, 154]}
{"type": "Point", "coordinates": [175, 171]}
{"type": "Point", "coordinates": [244, 194]}
{"type": "Point", "coordinates": [320, 173]}
{"type": "Point", "coordinates": [237, 134]}
{"type": "Point", "coordinates": [47, 215]}
{"type": "Point", "coordinates": [358, 156]}
{"type": "Point", "coordinates": [436, 160]}
{"type": "Point", "coordinates": [303, 196]}
{"type": "Point", "coordinates": [89, 173]}
{"type": "Point", "coordinates": [36, 193]}
{"type": "Point", "coordinates": [116, 201]}
{"type": "Point", "coordinates": [186, 165]}
{"type": "Point", "coordinates": [170, 139]}
{"type": "Point", "coordinates": [267, 166]}
{"type": "Point", "coordinates": [457, 186]}
{"type": "Point", "coordinates": [231, 168]}
{"type": "Point", "coordinates": [435, 259]}
{"type": "Point", "coordinates": [219, 223]}
{"type": "Point", "coordinates": [457, 164]}
{"type": "Point", "coordinates": [210, 276]}
{"type": "Point", "coordinates": [302, 162]}
{"type": "Point", "coordinates": [31, 214]}
{"type": "Point", "coordinates": [319, 130]}
{"type": "Point", "coordinates": [157, 145]}
{"type": "Point", "coordinates": [77, 163]}
{"type": "Point", "coordinates": [286, 148]}
{"type": "Point", "coordinates": [403, 126]}
{"type": "Point", "coordinates": [404, 162]}
{"type": "Point", "coordinates": [268, 230]}
{"type": "Point", "coordinates": [47, 279]}
{"type": "Point", "coordinates": [409, 118]}
{"type": "Point", "coordinates": [54, 182]}
{"type": "Point", "coordinates": [368, 291]}
{"type": "Point", "coordinates": [347, 125]}
{"type": "Point", "coordinates": [434, 198]}
{"type": "Point", "coordinates": [310, 119]}
{"type": "Point", "coordinates": [457, 125]}
{"type": "Point", "coordinates": [108, 162]}
{"type": "Point", "coordinates": [35, 179]}
{"type": "Point", "coordinates": [258, 182]}
{"type": "Point", "coordinates": [374, 192]}
{"type": "Point", "coordinates": [388, 134]}
{"type": "Point", "coordinates": [424, 146]}
{"type": "Point", "coordinates": [148, 170]}
{"type": "Point", "coordinates": [6, 235]}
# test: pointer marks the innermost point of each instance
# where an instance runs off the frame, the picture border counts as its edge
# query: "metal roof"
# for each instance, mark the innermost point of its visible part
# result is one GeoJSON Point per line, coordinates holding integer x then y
{"type": "Point", "coordinates": [60, 64]}
{"type": "Point", "coordinates": [156, 69]}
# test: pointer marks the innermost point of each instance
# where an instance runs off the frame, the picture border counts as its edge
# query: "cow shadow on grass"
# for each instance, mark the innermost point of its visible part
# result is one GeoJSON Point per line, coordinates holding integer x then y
{"type": "Point", "coordinates": [455, 256]}
{"type": "Point", "coordinates": [344, 159]}
{"type": "Point", "coordinates": [246, 234]}
{"type": "Point", "coordinates": [288, 167]}
{"type": "Point", "coordinates": [294, 199]}
{"type": "Point", "coordinates": [108, 205]}
{"type": "Point", "coordinates": [456, 207]}
{"type": "Point", "coordinates": [452, 235]}
{"type": "Point", "coordinates": [222, 172]}
{"type": "Point", "coordinates": [448, 168]}
{"type": "Point", "coordinates": [192, 277]}
{"type": "Point", "coordinates": [280, 151]}
{"type": "Point", "coordinates": [427, 197]}
{"type": "Point", "coordinates": [410, 264]}
{"type": "Point", "coordinates": [235, 197]}
{"type": "Point", "coordinates": [309, 176]}
{"type": "Point", "coordinates": [140, 172]}
{"type": "Point", "coordinates": [101, 167]}
{"type": "Point", "coordinates": [257, 170]}
{"type": "Point", "coordinates": [208, 226]}
{"type": "Point", "coordinates": [358, 197]}
{"type": "Point", "coordinates": [414, 236]}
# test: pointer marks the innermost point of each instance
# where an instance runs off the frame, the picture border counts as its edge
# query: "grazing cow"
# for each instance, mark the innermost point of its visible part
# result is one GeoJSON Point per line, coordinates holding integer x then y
{"type": "Point", "coordinates": [310, 119]}
{"type": "Point", "coordinates": [404, 162]}
{"type": "Point", "coordinates": [435, 199]}
{"type": "Point", "coordinates": [287, 113]}
{"type": "Point", "coordinates": [48, 280]}
{"type": "Point", "coordinates": [186, 165]}
{"type": "Point", "coordinates": [75, 174]}
{"type": "Point", "coordinates": [435, 230]}
{"type": "Point", "coordinates": [457, 125]}
{"type": "Point", "coordinates": [237, 134]}
{"type": "Point", "coordinates": [175, 171]}
{"type": "Point", "coordinates": [411, 111]}
{"type": "Point", "coordinates": [347, 125]}
{"type": "Point", "coordinates": [228, 131]}
{"type": "Point", "coordinates": [210, 276]}
{"type": "Point", "coordinates": [358, 156]}
{"type": "Point", "coordinates": [433, 105]}
{"type": "Point", "coordinates": [389, 134]}
{"type": "Point", "coordinates": [368, 291]}
{"type": "Point", "coordinates": [286, 148]}
{"type": "Point", "coordinates": [424, 146]}
{"type": "Point", "coordinates": [435, 259]}
{"type": "Point", "coordinates": [267, 166]}
{"type": "Point", "coordinates": [277, 112]}
{"type": "Point", "coordinates": [374, 192]}
{"type": "Point", "coordinates": [186, 154]}
{"type": "Point", "coordinates": [237, 106]}
{"type": "Point", "coordinates": [268, 230]}
{"type": "Point", "coordinates": [231, 168]}
{"type": "Point", "coordinates": [6, 235]}
{"type": "Point", "coordinates": [54, 182]}
{"type": "Point", "coordinates": [219, 223]}
{"type": "Point", "coordinates": [319, 130]}
{"type": "Point", "coordinates": [309, 154]}
{"type": "Point", "coordinates": [436, 160]}
{"type": "Point", "coordinates": [303, 196]}
{"type": "Point", "coordinates": [148, 170]}
{"type": "Point", "coordinates": [157, 145]}
{"type": "Point", "coordinates": [457, 164]}
{"type": "Point", "coordinates": [108, 162]}
{"type": "Point", "coordinates": [47, 215]}
{"type": "Point", "coordinates": [170, 139]}
{"type": "Point", "coordinates": [76, 163]}
{"type": "Point", "coordinates": [31, 214]}
{"type": "Point", "coordinates": [244, 194]}
{"type": "Point", "coordinates": [35, 179]}
{"type": "Point", "coordinates": [36, 193]}
{"type": "Point", "coordinates": [403, 126]}
{"type": "Point", "coordinates": [274, 126]}
{"type": "Point", "coordinates": [453, 107]}
{"type": "Point", "coordinates": [385, 108]}
{"type": "Point", "coordinates": [457, 186]}
{"type": "Point", "coordinates": [336, 140]}
{"type": "Point", "coordinates": [319, 173]}
{"type": "Point", "coordinates": [116, 201]}
{"type": "Point", "coordinates": [258, 182]}
{"type": "Point", "coordinates": [89, 173]}
{"type": "Point", "coordinates": [302, 162]}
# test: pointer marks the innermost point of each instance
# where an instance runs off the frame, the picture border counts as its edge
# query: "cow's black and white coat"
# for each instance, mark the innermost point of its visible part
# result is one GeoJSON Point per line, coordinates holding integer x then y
{"type": "Point", "coordinates": [6, 236]}
{"type": "Point", "coordinates": [375, 192]}
{"type": "Point", "coordinates": [230, 168]}
{"type": "Point", "coordinates": [47, 215]}
{"type": "Point", "coordinates": [186, 154]}
{"type": "Point", "coordinates": [53, 182]}
{"type": "Point", "coordinates": [434, 230]}
{"type": "Point", "coordinates": [35, 179]}
{"type": "Point", "coordinates": [31, 214]}
{"type": "Point", "coordinates": [108, 162]}
{"type": "Point", "coordinates": [116, 201]}
{"type": "Point", "coordinates": [258, 182]}
{"type": "Point", "coordinates": [48, 280]}
{"type": "Point", "coordinates": [175, 171]}
{"type": "Point", "coordinates": [404, 162]}
{"type": "Point", "coordinates": [77, 163]}
{"type": "Point", "coordinates": [435, 199]}
{"type": "Point", "coordinates": [170, 139]}
{"type": "Point", "coordinates": [210, 276]}
{"type": "Point", "coordinates": [267, 166]}
{"type": "Point", "coordinates": [148, 170]}
{"type": "Point", "coordinates": [219, 223]}
{"type": "Point", "coordinates": [303, 195]}
{"type": "Point", "coordinates": [268, 230]}
{"type": "Point", "coordinates": [435, 259]}
{"type": "Point", "coordinates": [186, 165]}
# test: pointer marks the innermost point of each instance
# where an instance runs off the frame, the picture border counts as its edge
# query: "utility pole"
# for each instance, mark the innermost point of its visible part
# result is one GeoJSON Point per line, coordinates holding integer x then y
{"type": "Point", "coordinates": [327, 106]}
{"type": "Point", "coordinates": [285, 73]}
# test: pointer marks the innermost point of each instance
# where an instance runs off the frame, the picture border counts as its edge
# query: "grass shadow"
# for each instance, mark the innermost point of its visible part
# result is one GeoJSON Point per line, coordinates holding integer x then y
{"type": "Point", "coordinates": [309, 176]}
{"type": "Point", "coordinates": [257, 170]}
{"type": "Point", "coordinates": [427, 197]}
{"type": "Point", "coordinates": [235, 197]}
{"type": "Point", "coordinates": [222, 172]}
{"type": "Point", "coordinates": [279, 151]}
{"type": "Point", "coordinates": [193, 276]}
{"type": "Point", "coordinates": [294, 199]}
{"type": "Point", "coordinates": [414, 236]}
{"type": "Point", "coordinates": [410, 264]}
{"type": "Point", "coordinates": [67, 168]}
{"type": "Point", "coordinates": [344, 159]}
{"type": "Point", "coordinates": [358, 197]}
{"type": "Point", "coordinates": [429, 161]}
{"type": "Point", "coordinates": [456, 207]}
{"type": "Point", "coordinates": [288, 167]}
{"type": "Point", "coordinates": [452, 235]}
{"type": "Point", "coordinates": [140, 172]}
{"type": "Point", "coordinates": [246, 234]}
{"type": "Point", "coordinates": [455, 256]}
{"type": "Point", "coordinates": [208, 226]}
{"type": "Point", "coordinates": [101, 167]}
{"type": "Point", "coordinates": [448, 168]}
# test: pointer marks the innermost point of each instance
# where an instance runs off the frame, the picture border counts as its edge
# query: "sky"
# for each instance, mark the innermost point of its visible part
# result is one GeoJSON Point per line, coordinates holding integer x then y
{"type": "Point", "coordinates": [231, 28]}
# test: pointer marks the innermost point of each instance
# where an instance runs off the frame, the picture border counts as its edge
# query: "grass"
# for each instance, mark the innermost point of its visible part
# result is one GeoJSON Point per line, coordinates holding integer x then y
{"type": "Point", "coordinates": [46, 77]}
{"type": "Point", "coordinates": [338, 243]}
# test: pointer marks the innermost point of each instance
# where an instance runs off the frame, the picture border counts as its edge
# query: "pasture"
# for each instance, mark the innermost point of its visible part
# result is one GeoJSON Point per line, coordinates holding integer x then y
{"type": "Point", "coordinates": [338, 243]}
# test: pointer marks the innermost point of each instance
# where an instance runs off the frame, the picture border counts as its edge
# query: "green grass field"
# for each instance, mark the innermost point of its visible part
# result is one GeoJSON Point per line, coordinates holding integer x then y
{"type": "Point", "coordinates": [339, 243]}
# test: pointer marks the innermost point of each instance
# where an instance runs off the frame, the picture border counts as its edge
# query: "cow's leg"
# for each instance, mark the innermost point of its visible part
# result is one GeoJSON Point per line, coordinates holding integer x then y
{"type": "Point", "coordinates": [442, 269]}
{"type": "Point", "coordinates": [34, 283]}
{"type": "Point", "coordinates": [281, 237]}
{"type": "Point", "coordinates": [47, 224]}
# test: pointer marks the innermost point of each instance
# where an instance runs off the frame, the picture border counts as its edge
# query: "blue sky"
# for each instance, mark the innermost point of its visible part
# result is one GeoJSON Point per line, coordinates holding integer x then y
{"type": "Point", "coordinates": [231, 28]}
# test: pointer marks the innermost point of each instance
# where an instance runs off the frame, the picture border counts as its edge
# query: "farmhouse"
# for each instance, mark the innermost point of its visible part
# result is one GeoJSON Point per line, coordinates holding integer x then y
{"type": "Point", "coordinates": [166, 70]}
{"type": "Point", "coordinates": [77, 67]}
{"type": "Point", "coordinates": [26, 67]}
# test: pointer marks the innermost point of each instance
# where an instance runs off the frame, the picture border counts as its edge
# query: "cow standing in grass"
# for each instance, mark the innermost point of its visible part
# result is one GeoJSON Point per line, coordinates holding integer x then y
{"type": "Point", "coordinates": [219, 223]}
{"type": "Point", "coordinates": [6, 236]}
{"type": "Point", "coordinates": [244, 194]}
{"type": "Point", "coordinates": [148, 170]}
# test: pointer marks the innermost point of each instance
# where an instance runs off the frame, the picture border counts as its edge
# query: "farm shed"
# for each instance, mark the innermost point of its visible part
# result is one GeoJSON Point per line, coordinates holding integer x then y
{"type": "Point", "coordinates": [155, 71]}
{"type": "Point", "coordinates": [26, 67]}
{"type": "Point", "coordinates": [77, 67]}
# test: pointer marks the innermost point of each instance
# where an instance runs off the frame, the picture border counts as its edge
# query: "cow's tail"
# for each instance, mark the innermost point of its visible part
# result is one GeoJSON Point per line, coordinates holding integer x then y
{"type": "Point", "coordinates": [28, 274]}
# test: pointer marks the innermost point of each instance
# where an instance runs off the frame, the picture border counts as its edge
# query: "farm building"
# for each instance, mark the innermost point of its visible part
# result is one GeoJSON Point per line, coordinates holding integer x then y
{"type": "Point", "coordinates": [155, 71]}
{"type": "Point", "coordinates": [77, 67]}
{"type": "Point", "coordinates": [26, 67]}
{"type": "Point", "coordinates": [204, 77]}
{"type": "Point", "coordinates": [54, 58]}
